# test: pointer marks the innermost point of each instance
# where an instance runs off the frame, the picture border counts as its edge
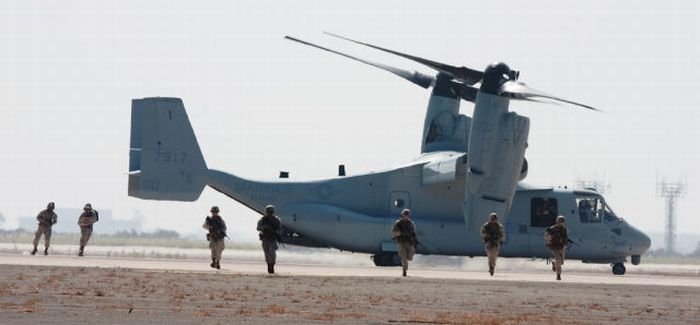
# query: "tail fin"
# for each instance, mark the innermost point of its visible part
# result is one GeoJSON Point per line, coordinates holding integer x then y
{"type": "Point", "coordinates": [165, 162]}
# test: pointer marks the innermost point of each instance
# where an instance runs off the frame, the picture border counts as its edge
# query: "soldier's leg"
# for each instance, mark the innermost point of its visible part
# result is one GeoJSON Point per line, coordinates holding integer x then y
{"type": "Point", "coordinates": [273, 253]}
{"type": "Point", "coordinates": [37, 236]}
{"type": "Point", "coordinates": [403, 254]}
{"type": "Point", "coordinates": [558, 261]}
{"type": "Point", "coordinates": [221, 250]}
{"type": "Point", "coordinates": [212, 249]}
{"type": "Point", "coordinates": [89, 235]}
{"type": "Point", "coordinates": [47, 240]}
{"type": "Point", "coordinates": [82, 237]}
{"type": "Point", "coordinates": [85, 233]}
{"type": "Point", "coordinates": [492, 254]}
{"type": "Point", "coordinates": [270, 255]}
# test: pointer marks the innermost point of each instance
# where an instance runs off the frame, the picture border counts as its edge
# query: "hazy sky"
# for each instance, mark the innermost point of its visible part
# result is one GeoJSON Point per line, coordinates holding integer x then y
{"type": "Point", "coordinates": [260, 104]}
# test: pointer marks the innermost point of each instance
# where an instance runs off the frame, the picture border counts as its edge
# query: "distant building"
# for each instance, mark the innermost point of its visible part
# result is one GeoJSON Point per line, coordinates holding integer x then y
{"type": "Point", "coordinates": [68, 222]}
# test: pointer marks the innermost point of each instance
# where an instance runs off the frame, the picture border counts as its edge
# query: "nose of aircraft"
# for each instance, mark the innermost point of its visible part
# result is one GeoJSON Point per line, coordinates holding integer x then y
{"type": "Point", "coordinates": [640, 242]}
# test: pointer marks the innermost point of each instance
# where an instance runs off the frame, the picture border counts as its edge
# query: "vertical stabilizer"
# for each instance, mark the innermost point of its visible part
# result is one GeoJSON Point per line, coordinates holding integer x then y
{"type": "Point", "coordinates": [165, 162]}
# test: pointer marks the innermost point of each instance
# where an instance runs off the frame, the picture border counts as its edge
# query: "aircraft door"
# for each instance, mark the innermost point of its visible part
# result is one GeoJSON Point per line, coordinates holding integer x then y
{"type": "Point", "coordinates": [544, 210]}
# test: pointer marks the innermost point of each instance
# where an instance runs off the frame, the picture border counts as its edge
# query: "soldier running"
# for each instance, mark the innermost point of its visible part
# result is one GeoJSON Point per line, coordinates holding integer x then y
{"type": "Point", "coordinates": [557, 237]}
{"type": "Point", "coordinates": [270, 227]}
{"type": "Point", "coordinates": [217, 231]}
{"type": "Point", "coordinates": [404, 233]}
{"type": "Point", "coordinates": [85, 221]}
{"type": "Point", "coordinates": [493, 234]}
{"type": "Point", "coordinates": [47, 218]}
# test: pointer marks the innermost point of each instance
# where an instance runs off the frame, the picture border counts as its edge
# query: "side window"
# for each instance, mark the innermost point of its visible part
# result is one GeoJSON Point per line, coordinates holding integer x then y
{"type": "Point", "coordinates": [543, 211]}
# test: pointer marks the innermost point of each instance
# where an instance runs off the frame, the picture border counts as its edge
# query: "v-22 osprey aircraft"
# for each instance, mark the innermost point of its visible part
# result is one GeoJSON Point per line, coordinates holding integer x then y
{"type": "Point", "coordinates": [468, 168]}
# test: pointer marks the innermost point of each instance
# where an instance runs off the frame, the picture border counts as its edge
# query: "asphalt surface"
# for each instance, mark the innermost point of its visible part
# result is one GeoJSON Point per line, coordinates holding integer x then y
{"type": "Point", "coordinates": [245, 266]}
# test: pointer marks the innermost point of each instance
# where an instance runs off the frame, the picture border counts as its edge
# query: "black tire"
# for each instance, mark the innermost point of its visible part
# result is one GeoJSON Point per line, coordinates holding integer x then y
{"type": "Point", "coordinates": [618, 269]}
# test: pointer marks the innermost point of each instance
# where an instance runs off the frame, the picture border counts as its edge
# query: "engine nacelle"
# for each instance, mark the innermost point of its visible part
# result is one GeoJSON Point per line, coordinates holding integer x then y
{"type": "Point", "coordinates": [495, 162]}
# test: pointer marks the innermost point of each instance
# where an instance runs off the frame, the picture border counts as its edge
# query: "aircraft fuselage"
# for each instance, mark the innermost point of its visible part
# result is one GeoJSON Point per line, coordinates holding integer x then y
{"type": "Point", "coordinates": [333, 212]}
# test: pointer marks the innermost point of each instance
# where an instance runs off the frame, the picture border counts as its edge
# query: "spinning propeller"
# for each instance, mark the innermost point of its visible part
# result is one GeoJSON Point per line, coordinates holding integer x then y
{"type": "Point", "coordinates": [497, 79]}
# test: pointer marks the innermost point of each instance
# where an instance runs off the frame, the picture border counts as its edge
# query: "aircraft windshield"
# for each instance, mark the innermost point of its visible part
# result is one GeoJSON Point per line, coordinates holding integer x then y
{"type": "Point", "coordinates": [609, 215]}
{"type": "Point", "coordinates": [594, 210]}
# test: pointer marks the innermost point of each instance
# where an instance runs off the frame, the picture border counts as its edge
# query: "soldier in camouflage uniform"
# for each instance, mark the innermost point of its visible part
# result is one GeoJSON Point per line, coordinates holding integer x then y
{"type": "Point", "coordinates": [217, 232]}
{"type": "Point", "coordinates": [47, 218]}
{"type": "Point", "coordinates": [270, 227]}
{"type": "Point", "coordinates": [404, 233]}
{"type": "Point", "coordinates": [556, 238]}
{"type": "Point", "coordinates": [493, 235]}
{"type": "Point", "coordinates": [85, 221]}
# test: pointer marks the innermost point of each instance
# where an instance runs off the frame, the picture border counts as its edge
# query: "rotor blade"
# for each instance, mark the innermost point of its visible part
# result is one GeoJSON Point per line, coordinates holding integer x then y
{"type": "Point", "coordinates": [468, 76]}
{"type": "Point", "coordinates": [415, 77]}
{"type": "Point", "coordinates": [519, 90]}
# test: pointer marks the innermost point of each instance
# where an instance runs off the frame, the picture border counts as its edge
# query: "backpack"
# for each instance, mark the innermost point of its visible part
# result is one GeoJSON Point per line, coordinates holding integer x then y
{"type": "Point", "coordinates": [554, 237]}
{"type": "Point", "coordinates": [492, 233]}
{"type": "Point", "coordinates": [97, 215]}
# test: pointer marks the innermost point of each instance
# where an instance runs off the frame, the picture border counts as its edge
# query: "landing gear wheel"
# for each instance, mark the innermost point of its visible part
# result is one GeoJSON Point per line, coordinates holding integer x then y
{"type": "Point", "coordinates": [618, 269]}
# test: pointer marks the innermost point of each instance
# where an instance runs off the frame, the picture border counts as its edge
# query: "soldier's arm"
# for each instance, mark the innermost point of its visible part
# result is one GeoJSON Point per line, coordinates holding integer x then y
{"type": "Point", "coordinates": [206, 224]}
{"type": "Point", "coordinates": [260, 225]}
{"type": "Point", "coordinates": [502, 233]}
{"type": "Point", "coordinates": [278, 225]}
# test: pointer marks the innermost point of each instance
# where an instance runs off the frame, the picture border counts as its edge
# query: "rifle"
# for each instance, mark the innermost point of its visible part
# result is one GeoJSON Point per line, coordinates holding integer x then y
{"type": "Point", "coordinates": [215, 227]}
{"type": "Point", "coordinates": [419, 243]}
{"type": "Point", "coordinates": [570, 243]}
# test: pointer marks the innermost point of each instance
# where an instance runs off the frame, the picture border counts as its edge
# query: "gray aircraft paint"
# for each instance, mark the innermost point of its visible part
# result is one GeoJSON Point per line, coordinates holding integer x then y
{"type": "Point", "coordinates": [355, 213]}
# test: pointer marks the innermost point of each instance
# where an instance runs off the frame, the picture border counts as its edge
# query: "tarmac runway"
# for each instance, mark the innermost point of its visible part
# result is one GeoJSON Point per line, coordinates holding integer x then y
{"type": "Point", "coordinates": [334, 287]}
{"type": "Point", "coordinates": [248, 267]}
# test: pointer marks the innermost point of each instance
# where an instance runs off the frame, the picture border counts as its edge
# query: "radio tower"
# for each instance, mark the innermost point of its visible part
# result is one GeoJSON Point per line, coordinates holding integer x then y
{"type": "Point", "coordinates": [670, 191]}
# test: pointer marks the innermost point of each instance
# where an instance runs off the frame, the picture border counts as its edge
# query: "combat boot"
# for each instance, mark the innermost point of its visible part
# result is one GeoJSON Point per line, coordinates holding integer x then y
{"type": "Point", "coordinates": [213, 263]}
{"type": "Point", "coordinates": [34, 251]}
{"type": "Point", "coordinates": [218, 266]}
{"type": "Point", "coordinates": [404, 272]}
{"type": "Point", "coordinates": [559, 277]}
{"type": "Point", "coordinates": [270, 268]}
{"type": "Point", "coordinates": [80, 253]}
{"type": "Point", "coordinates": [491, 270]}
{"type": "Point", "coordinates": [46, 251]}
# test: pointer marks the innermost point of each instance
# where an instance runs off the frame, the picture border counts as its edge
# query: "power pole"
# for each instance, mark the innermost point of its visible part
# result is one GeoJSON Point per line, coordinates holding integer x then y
{"type": "Point", "coordinates": [671, 192]}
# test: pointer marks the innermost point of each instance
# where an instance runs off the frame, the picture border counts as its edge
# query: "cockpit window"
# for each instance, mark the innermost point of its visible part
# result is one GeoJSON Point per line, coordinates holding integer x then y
{"type": "Point", "coordinates": [590, 209]}
{"type": "Point", "coordinates": [543, 211]}
{"type": "Point", "coordinates": [594, 210]}
{"type": "Point", "coordinates": [609, 215]}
